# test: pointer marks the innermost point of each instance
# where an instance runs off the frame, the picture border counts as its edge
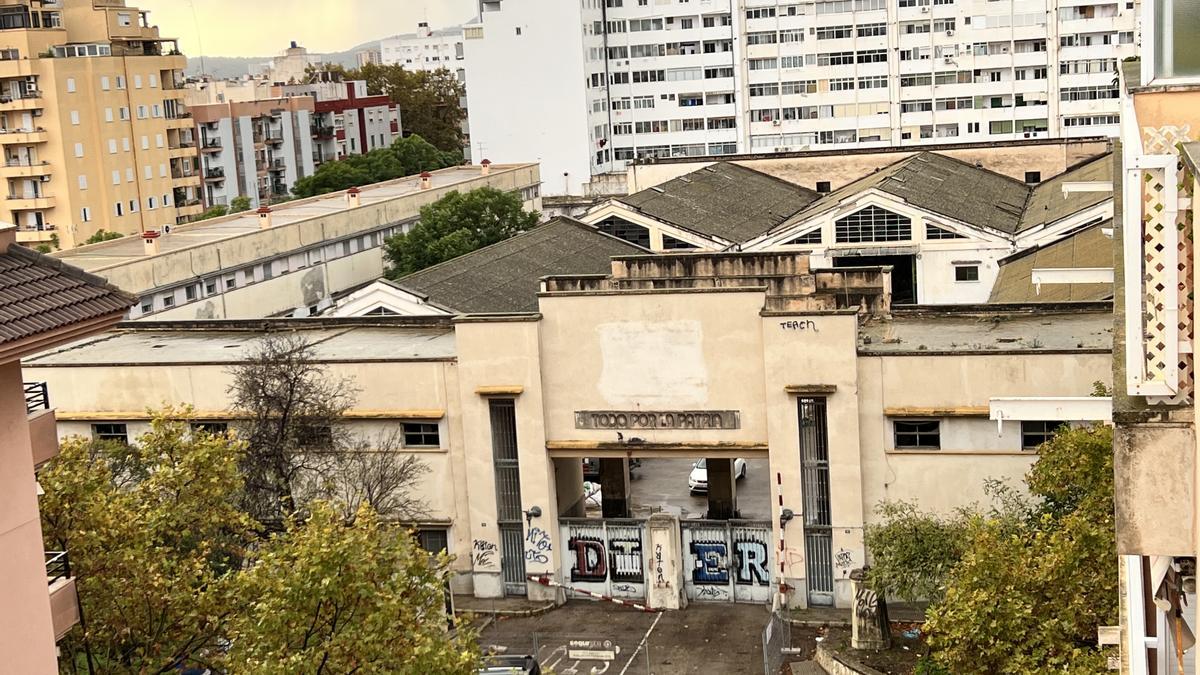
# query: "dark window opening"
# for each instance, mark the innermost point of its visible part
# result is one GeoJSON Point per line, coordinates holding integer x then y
{"type": "Point", "coordinates": [214, 428]}
{"type": "Point", "coordinates": [1033, 177]}
{"type": "Point", "coordinates": [623, 229]}
{"type": "Point", "coordinates": [904, 273]}
{"type": "Point", "coordinates": [421, 435]}
{"type": "Point", "coordinates": [823, 186]}
{"type": "Point", "coordinates": [1035, 433]}
{"type": "Point", "coordinates": [433, 540]}
{"type": "Point", "coordinates": [913, 435]}
{"type": "Point", "coordinates": [813, 237]}
{"type": "Point", "coordinates": [672, 244]}
{"type": "Point", "coordinates": [116, 433]}
{"type": "Point", "coordinates": [935, 232]}
{"type": "Point", "coordinates": [966, 272]}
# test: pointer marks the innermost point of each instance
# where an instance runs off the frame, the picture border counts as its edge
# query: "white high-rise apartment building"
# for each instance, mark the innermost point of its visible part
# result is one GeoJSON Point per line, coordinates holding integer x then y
{"type": "Point", "coordinates": [585, 86]}
{"type": "Point", "coordinates": [425, 49]}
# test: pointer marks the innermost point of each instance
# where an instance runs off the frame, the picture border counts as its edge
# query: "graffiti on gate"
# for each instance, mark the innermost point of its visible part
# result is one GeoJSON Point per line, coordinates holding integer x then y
{"type": "Point", "coordinates": [712, 567]}
{"type": "Point", "coordinates": [538, 547]}
{"type": "Point", "coordinates": [483, 553]}
{"type": "Point", "coordinates": [594, 561]}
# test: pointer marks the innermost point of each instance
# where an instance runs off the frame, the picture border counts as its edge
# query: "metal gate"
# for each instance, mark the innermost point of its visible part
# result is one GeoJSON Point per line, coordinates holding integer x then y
{"type": "Point", "coordinates": [605, 556]}
{"type": "Point", "coordinates": [508, 494]}
{"type": "Point", "coordinates": [818, 530]}
{"type": "Point", "coordinates": [727, 560]}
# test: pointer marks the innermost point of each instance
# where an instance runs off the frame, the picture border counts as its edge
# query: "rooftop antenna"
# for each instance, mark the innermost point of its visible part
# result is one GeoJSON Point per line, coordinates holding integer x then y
{"type": "Point", "coordinates": [199, 44]}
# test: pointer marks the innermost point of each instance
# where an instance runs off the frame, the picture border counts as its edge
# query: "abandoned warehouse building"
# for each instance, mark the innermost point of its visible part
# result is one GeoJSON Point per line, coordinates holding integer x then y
{"type": "Point", "coordinates": [715, 356]}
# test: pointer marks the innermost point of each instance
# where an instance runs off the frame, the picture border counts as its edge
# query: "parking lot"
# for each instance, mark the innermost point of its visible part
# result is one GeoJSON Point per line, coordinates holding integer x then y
{"type": "Point", "coordinates": [589, 638]}
{"type": "Point", "coordinates": [661, 484]}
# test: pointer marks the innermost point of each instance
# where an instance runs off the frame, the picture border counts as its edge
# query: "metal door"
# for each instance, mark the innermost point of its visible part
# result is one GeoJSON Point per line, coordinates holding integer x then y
{"type": "Point", "coordinates": [605, 556]}
{"type": "Point", "coordinates": [727, 560]}
{"type": "Point", "coordinates": [818, 530]}
{"type": "Point", "coordinates": [508, 494]}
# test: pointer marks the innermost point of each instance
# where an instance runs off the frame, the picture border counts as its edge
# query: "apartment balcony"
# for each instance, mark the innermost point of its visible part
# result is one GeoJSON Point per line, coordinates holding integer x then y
{"type": "Point", "coordinates": [64, 601]}
{"type": "Point", "coordinates": [180, 121]}
{"type": "Point", "coordinates": [23, 136]}
{"type": "Point", "coordinates": [261, 167]}
{"type": "Point", "coordinates": [181, 180]}
{"type": "Point", "coordinates": [278, 165]}
{"type": "Point", "coordinates": [43, 427]}
{"type": "Point", "coordinates": [1029, 59]}
{"type": "Point", "coordinates": [214, 175]}
{"type": "Point", "coordinates": [211, 145]}
{"type": "Point", "coordinates": [191, 207]}
{"type": "Point", "coordinates": [18, 102]}
{"type": "Point", "coordinates": [182, 151]}
{"type": "Point", "coordinates": [29, 202]}
{"type": "Point", "coordinates": [33, 237]}
{"type": "Point", "coordinates": [24, 168]}
{"type": "Point", "coordinates": [322, 132]}
{"type": "Point", "coordinates": [273, 137]}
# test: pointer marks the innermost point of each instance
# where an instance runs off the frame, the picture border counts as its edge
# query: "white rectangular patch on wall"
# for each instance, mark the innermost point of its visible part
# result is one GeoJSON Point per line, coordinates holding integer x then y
{"type": "Point", "coordinates": [653, 364]}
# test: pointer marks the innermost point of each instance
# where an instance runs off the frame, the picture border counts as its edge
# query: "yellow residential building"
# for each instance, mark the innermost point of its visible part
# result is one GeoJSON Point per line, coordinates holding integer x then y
{"type": "Point", "coordinates": [93, 127]}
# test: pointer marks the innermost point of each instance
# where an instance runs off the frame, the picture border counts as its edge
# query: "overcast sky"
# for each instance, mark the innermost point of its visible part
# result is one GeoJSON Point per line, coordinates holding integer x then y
{"type": "Point", "coordinates": [265, 27]}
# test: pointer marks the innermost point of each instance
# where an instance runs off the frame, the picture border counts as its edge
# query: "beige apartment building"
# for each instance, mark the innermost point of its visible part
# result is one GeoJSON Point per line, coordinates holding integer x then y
{"type": "Point", "coordinates": [94, 129]}
{"type": "Point", "coordinates": [840, 399]}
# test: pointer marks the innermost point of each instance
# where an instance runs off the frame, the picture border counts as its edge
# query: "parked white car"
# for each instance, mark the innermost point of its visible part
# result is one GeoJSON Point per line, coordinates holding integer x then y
{"type": "Point", "coordinates": [698, 478]}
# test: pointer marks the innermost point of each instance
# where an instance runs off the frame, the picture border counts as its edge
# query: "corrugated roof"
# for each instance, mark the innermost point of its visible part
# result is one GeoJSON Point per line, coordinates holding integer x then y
{"type": "Point", "coordinates": [40, 294]}
{"type": "Point", "coordinates": [504, 277]}
{"type": "Point", "coordinates": [1089, 247]}
{"type": "Point", "coordinates": [1048, 204]}
{"type": "Point", "coordinates": [723, 200]}
{"type": "Point", "coordinates": [941, 185]}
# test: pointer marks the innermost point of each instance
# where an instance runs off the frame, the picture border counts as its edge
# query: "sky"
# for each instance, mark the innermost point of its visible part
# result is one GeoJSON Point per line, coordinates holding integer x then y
{"type": "Point", "coordinates": [265, 27]}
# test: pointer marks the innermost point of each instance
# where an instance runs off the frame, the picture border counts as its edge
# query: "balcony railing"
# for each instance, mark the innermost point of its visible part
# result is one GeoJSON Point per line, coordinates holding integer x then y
{"type": "Point", "coordinates": [215, 173]}
{"type": "Point", "coordinates": [37, 397]}
{"type": "Point", "coordinates": [58, 566]}
{"type": "Point", "coordinates": [24, 161]}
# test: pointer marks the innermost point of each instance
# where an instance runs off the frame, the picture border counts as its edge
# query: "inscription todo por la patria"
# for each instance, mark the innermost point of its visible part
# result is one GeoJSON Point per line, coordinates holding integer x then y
{"type": "Point", "coordinates": [657, 419]}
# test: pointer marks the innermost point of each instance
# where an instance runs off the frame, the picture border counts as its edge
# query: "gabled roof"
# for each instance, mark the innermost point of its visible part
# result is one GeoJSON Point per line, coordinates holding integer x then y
{"type": "Point", "coordinates": [1088, 247]}
{"type": "Point", "coordinates": [41, 296]}
{"type": "Point", "coordinates": [941, 185]}
{"type": "Point", "coordinates": [1048, 204]}
{"type": "Point", "coordinates": [723, 200]}
{"type": "Point", "coordinates": [504, 277]}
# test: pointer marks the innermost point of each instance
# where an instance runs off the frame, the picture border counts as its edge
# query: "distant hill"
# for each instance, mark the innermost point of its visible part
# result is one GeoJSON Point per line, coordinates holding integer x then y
{"type": "Point", "coordinates": [225, 67]}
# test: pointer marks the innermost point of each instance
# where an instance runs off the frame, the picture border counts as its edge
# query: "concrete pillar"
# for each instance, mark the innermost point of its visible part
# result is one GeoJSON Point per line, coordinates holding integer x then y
{"type": "Point", "coordinates": [568, 487]}
{"type": "Point", "coordinates": [722, 489]}
{"type": "Point", "coordinates": [664, 585]}
{"type": "Point", "coordinates": [869, 622]}
{"type": "Point", "coordinates": [614, 487]}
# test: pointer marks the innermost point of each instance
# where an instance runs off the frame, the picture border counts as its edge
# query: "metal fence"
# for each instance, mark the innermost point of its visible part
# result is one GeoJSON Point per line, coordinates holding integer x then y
{"type": "Point", "coordinates": [776, 637]}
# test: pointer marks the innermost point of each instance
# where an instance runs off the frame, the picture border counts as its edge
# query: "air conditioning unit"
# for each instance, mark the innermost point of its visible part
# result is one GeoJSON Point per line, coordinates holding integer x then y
{"type": "Point", "coordinates": [950, 32]}
{"type": "Point", "coordinates": [784, 149]}
{"type": "Point", "coordinates": [777, 122]}
{"type": "Point", "coordinates": [924, 10]}
{"type": "Point", "coordinates": [166, 229]}
{"type": "Point", "coordinates": [45, 179]}
{"type": "Point", "coordinates": [948, 60]}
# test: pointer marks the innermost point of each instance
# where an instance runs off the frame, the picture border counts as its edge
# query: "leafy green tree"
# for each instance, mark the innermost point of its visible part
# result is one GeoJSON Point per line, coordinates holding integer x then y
{"type": "Point", "coordinates": [331, 598]}
{"type": "Point", "coordinates": [417, 155]}
{"type": "Point", "coordinates": [102, 235]}
{"type": "Point", "coordinates": [152, 531]}
{"type": "Point", "coordinates": [913, 551]}
{"type": "Point", "coordinates": [406, 157]}
{"type": "Point", "coordinates": [430, 102]}
{"type": "Point", "coordinates": [330, 177]}
{"type": "Point", "coordinates": [1028, 596]}
{"type": "Point", "coordinates": [239, 203]}
{"type": "Point", "coordinates": [456, 224]}
{"type": "Point", "coordinates": [214, 212]}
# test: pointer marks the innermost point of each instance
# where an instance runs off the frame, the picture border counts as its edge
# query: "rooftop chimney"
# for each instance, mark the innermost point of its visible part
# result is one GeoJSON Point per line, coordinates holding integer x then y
{"type": "Point", "coordinates": [264, 217]}
{"type": "Point", "coordinates": [150, 241]}
{"type": "Point", "coordinates": [293, 44]}
{"type": "Point", "coordinates": [426, 180]}
{"type": "Point", "coordinates": [352, 197]}
{"type": "Point", "coordinates": [485, 167]}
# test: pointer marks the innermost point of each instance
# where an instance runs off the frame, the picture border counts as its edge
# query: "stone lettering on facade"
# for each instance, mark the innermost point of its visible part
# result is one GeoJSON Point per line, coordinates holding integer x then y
{"type": "Point", "coordinates": [648, 419]}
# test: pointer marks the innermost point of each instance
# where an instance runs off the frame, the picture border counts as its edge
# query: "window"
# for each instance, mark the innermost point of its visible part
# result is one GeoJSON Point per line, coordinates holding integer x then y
{"type": "Point", "coordinates": [212, 428]}
{"type": "Point", "coordinates": [823, 186]}
{"type": "Point", "coordinates": [116, 174]}
{"type": "Point", "coordinates": [120, 82]}
{"type": "Point", "coordinates": [935, 232]}
{"type": "Point", "coordinates": [421, 435]}
{"type": "Point", "coordinates": [149, 172]}
{"type": "Point", "coordinates": [872, 224]}
{"type": "Point", "coordinates": [75, 117]}
{"type": "Point", "coordinates": [917, 435]}
{"type": "Point", "coordinates": [1176, 24]}
{"type": "Point", "coordinates": [813, 237]}
{"type": "Point", "coordinates": [623, 229]}
{"type": "Point", "coordinates": [1034, 434]}
{"type": "Point", "coordinates": [104, 83]}
{"type": "Point", "coordinates": [137, 81]}
{"type": "Point", "coordinates": [116, 433]}
{"type": "Point", "coordinates": [966, 272]}
{"type": "Point", "coordinates": [70, 85]}
{"type": "Point", "coordinates": [124, 19]}
{"type": "Point", "coordinates": [85, 214]}
{"type": "Point", "coordinates": [82, 182]}
{"type": "Point", "coordinates": [1033, 177]}
{"type": "Point", "coordinates": [124, 113]}
{"type": "Point", "coordinates": [433, 540]}
{"type": "Point", "coordinates": [108, 115]}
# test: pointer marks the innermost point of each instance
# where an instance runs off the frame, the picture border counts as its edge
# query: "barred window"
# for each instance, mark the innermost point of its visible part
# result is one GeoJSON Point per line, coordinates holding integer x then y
{"type": "Point", "coordinates": [421, 435]}
{"type": "Point", "coordinates": [623, 229]}
{"type": "Point", "coordinates": [813, 237]}
{"type": "Point", "coordinates": [917, 435]}
{"type": "Point", "coordinates": [872, 224]}
{"type": "Point", "coordinates": [672, 244]}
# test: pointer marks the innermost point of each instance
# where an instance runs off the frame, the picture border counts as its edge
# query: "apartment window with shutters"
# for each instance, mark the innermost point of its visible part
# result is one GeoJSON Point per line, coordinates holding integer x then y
{"type": "Point", "coordinates": [108, 115]}
{"type": "Point", "coordinates": [137, 81]}
{"type": "Point", "coordinates": [129, 174]}
{"type": "Point", "coordinates": [158, 140]}
{"type": "Point", "coordinates": [120, 208]}
{"type": "Point", "coordinates": [116, 177]}
{"type": "Point", "coordinates": [75, 117]}
{"type": "Point", "coordinates": [79, 149]}
{"type": "Point", "coordinates": [104, 83]}
{"type": "Point", "coordinates": [149, 172]}
{"type": "Point", "coordinates": [120, 82]}
{"type": "Point", "coordinates": [70, 85]}
{"type": "Point", "coordinates": [124, 113]}
{"type": "Point", "coordinates": [82, 182]}
{"type": "Point", "coordinates": [85, 214]}
{"type": "Point", "coordinates": [145, 142]}
{"type": "Point", "coordinates": [150, 203]}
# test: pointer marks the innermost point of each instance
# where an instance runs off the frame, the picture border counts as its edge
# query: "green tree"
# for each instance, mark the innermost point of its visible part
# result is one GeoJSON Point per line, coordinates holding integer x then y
{"type": "Point", "coordinates": [239, 203]}
{"type": "Point", "coordinates": [416, 155]}
{"type": "Point", "coordinates": [456, 224]}
{"type": "Point", "coordinates": [330, 177]}
{"type": "Point", "coordinates": [327, 597]}
{"type": "Point", "coordinates": [214, 212]}
{"type": "Point", "coordinates": [430, 102]}
{"type": "Point", "coordinates": [102, 235]}
{"type": "Point", "coordinates": [406, 157]}
{"type": "Point", "coordinates": [152, 530]}
{"type": "Point", "coordinates": [1028, 596]}
{"type": "Point", "coordinates": [913, 551]}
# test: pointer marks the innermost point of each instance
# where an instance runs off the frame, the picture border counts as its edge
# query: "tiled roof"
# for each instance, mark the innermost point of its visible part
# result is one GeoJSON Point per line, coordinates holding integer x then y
{"type": "Point", "coordinates": [723, 200]}
{"type": "Point", "coordinates": [40, 294]}
{"type": "Point", "coordinates": [505, 277]}
{"type": "Point", "coordinates": [1089, 247]}
{"type": "Point", "coordinates": [1048, 204]}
